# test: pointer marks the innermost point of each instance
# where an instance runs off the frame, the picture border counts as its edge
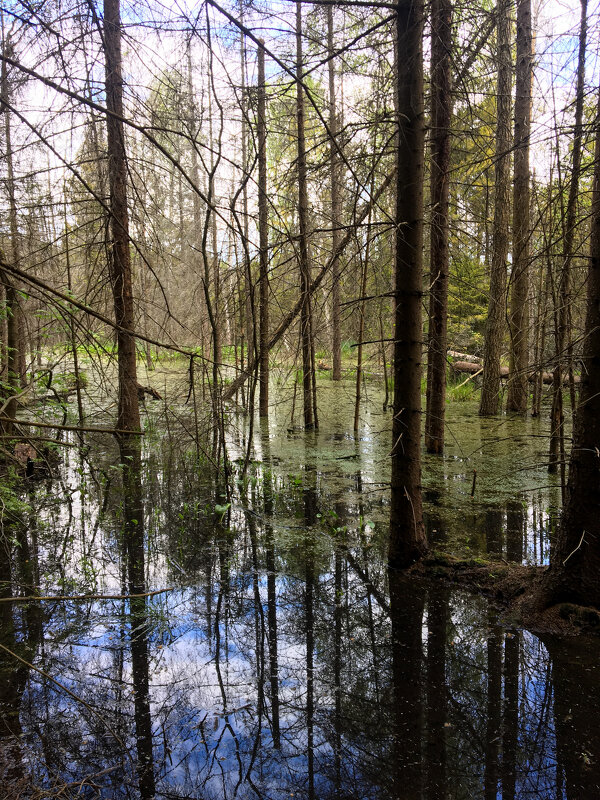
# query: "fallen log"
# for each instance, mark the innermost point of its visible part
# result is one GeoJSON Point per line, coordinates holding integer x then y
{"type": "Point", "coordinates": [470, 368]}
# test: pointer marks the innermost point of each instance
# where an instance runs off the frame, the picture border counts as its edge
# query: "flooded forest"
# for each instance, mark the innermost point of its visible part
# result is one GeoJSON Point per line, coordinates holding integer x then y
{"type": "Point", "coordinates": [299, 400]}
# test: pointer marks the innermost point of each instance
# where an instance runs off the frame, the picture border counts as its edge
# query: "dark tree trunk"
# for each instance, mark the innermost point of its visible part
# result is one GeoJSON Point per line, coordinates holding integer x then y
{"type": "Point", "coordinates": [12, 306]}
{"type": "Point", "coordinates": [263, 232]}
{"type": "Point", "coordinates": [494, 332]}
{"type": "Point", "coordinates": [133, 535]}
{"type": "Point", "coordinates": [557, 419]}
{"type": "Point", "coordinates": [120, 256]}
{"type": "Point", "coordinates": [575, 676]}
{"type": "Point", "coordinates": [575, 562]}
{"type": "Point", "coordinates": [519, 316]}
{"type": "Point", "coordinates": [438, 619]}
{"type": "Point", "coordinates": [494, 712]}
{"type": "Point", "coordinates": [407, 533]}
{"type": "Point", "coordinates": [336, 343]}
{"type": "Point", "coordinates": [304, 257]}
{"type": "Point", "coordinates": [441, 116]}
{"type": "Point", "coordinates": [510, 717]}
{"type": "Point", "coordinates": [407, 604]}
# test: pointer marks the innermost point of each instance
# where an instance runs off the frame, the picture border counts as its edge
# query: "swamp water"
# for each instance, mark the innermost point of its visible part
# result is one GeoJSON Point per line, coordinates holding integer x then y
{"type": "Point", "coordinates": [282, 660]}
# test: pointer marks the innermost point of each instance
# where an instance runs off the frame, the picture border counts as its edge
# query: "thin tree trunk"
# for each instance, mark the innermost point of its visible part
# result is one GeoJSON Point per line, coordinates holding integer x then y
{"type": "Point", "coordinates": [12, 304]}
{"type": "Point", "coordinates": [120, 256]}
{"type": "Point", "coordinates": [575, 561]}
{"type": "Point", "coordinates": [334, 161]}
{"type": "Point", "coordinates": [361, 326]}
{"type": "Point", "coordinates": [519, 316]}
{"type": "Point", "coordinates": [304, 257]}
{"type": "Point", "coordinates": [563, 344]}
{"type": "Point", "coordinates": [263, 232]}
{"type": "Point", "coordinates": [407, 533]}
{"type": "Point", "coordinates": [441, 116]}
{"type": "Point", "coordinates": [490, 389]}
{"type": "Point", "coordinates": [539, 341]}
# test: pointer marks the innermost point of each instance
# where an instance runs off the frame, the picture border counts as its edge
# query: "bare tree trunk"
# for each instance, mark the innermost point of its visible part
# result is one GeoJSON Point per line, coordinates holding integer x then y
{"type": "Point", "coordinates": [519, 317]}
{"type": "Point", "coordinates": [247, 312]}
{"type": "Point", "coordinates": [539, 340]}
{"type": "Point", "coordinates": [490, 390]}
{"type": "Point", "coordinates": [334, 160]}
{"type": "Point", "coordinates": [12, 306]}
{"type": "Point", "coordinates": [564, 286]}
{"type": "Point", "coordinates": [441, 116]}
{"type": "Point", "coordinates": [407, 533]}
{"type": "Point", "coordinates": [304, 257]}
{"type": "Point", "coordinates": [361, 326]}
{"type": "Point", "coordinates": [263, 233]}
{"type": "Point", "coordinates": [120, 256]}
{"type": "Point", "coordinates": [575, 560]}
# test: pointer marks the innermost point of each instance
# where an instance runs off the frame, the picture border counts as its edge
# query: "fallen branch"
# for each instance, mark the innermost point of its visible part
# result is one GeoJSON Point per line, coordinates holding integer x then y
{"type": "Point", "coordinates": [75, 428]}
{"type": "Point", "coordinates": [51, 598]}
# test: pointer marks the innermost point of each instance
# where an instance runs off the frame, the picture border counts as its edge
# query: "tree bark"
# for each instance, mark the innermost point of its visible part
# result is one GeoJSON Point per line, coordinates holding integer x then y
{"type": "Point", "coordinates": [557, 420]}
{"type": "Point", "coordinates": [407, 533]}
{"type": "Point", "coordinates": [441, 116]}
{"type": "Point", "coordinates": [12, 305]}
{"type": "Point", "coordinates": [519, 316]}
{"type": "Point", "coordinates": [304, 257]}
{"type": "Point", "coordinates": [120, 256]}
{"type": "Point", "coordinates": [263, 233]}
{"type": "Point", "coordinates": [575, 559]}
{"type": "Point", "coordinates": [494, 332]}
{"type": "Point", "coordinates": [334, 161]}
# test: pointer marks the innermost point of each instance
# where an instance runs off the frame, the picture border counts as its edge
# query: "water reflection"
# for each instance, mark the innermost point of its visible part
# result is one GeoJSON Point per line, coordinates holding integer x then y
{"type": "Point", "coordinates": [286, 661]}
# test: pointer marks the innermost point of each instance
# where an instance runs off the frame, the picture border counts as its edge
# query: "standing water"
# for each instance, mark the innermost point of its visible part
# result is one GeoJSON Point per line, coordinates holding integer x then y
{"type": "Point", "coordinates": [272, 655]}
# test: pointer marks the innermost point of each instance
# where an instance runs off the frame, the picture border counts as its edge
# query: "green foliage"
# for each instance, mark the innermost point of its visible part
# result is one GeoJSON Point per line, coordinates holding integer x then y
{"type": "Point", "coordinates": [467, 305]}
{"type": "Point", "coordinates": [461, 392]}
{"type": "Point", "coordinates": [12, 506]}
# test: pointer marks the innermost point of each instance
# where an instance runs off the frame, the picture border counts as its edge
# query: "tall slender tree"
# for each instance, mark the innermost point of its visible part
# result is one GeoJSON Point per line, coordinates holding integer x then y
{"type": "Point", "coordinates": [334, 166]}
{"type": "Point", "coordinates": [441, 116]}
{"type": "Point", "coordinates": [557, 419]}
{"type": "Point", "coordinates": [495, 326]}
{"type": "Point", "coordinates": [12, 306]}
{"type": "Point", "coordinates": [519, 280]}
{"type": "Point", "coordinates": [575, 558]}
{"type": "Point", "coordinates": [119, 252]}
{"type": "Point", "coordinates": [407, 533]}
{"type": "Point", "coordinates": [304, 255]}
{"type": "Point", "coordinates": [263, 233]}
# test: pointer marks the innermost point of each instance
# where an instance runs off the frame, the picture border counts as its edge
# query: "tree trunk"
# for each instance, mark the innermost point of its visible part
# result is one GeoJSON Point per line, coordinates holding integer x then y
{"type": "Point", "coordinates": [441, 116]}
{"type": "Point", "coordinates": [304, 257]}
{"type": "Point", "coordinates": [12, 306]}
{"type": "Point", "coordinates": [361, 326]}
{"type": "Point", "coordinates": [407, 533]}
{"type": "Point", "coordinates": [120, 256]}
{"type": "Point", "coordinates": [263, 232]}
{"type": "Point", "coordinates": [519, 316]}
{"type": "Point", "coordinates": [336, 343]}
{"type": "Point", "coordinates": [575, 560]}
{"type": "Point", "coordinates": [490, 390]}
{"type": "Point", "coordinates": [564, 285]}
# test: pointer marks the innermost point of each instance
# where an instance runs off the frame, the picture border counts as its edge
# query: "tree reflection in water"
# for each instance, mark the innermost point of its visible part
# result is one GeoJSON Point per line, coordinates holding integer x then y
{"type": "Point", "coordinates": [286, 661]}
